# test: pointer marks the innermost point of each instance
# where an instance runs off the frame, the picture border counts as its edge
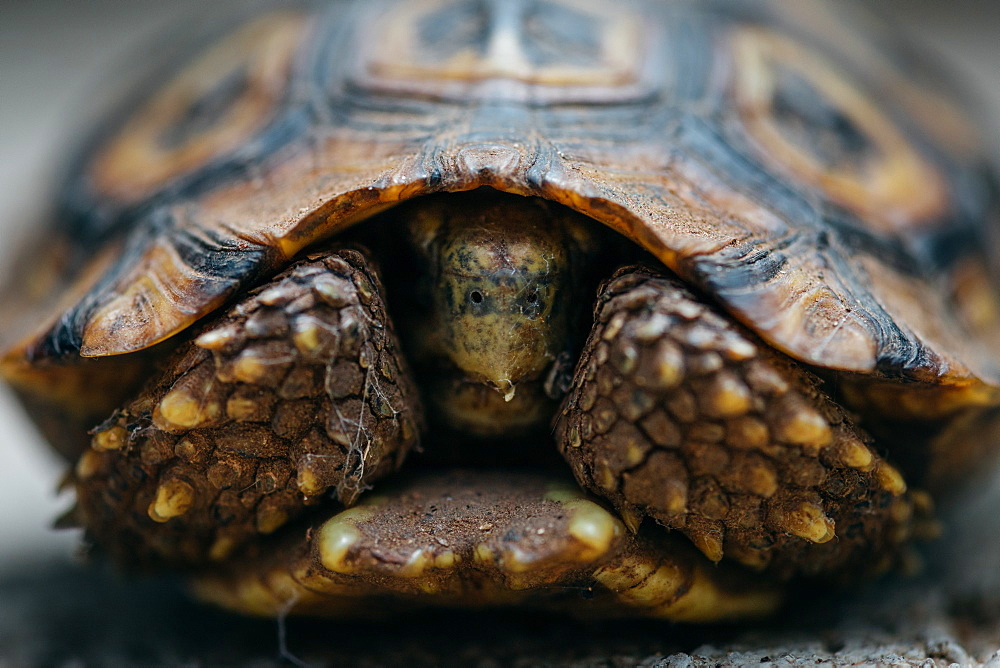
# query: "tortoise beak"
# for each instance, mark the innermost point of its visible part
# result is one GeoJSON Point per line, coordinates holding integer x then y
{"type": "Point", "coordinates": [504, 387]}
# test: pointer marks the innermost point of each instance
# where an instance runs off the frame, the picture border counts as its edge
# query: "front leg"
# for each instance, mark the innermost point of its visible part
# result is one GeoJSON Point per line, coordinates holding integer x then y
{"type": "Point", "coordinates": [297, 393]}
{"type": "Point", "coordinates": [679, 414]}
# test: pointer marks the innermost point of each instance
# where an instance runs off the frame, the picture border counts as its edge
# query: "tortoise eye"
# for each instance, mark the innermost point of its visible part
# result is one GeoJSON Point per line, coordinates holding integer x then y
{"type": "Point", "coordinates": [810, 122]}
{"type": "Point", "coordinates": [210, 108]}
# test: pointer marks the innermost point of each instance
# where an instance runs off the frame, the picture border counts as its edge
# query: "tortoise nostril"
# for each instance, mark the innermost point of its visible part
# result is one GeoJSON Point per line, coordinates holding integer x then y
{"type": "Point", "coordinates": [476, 297]}
{"type": "Point", "coordinates": [532, 297]}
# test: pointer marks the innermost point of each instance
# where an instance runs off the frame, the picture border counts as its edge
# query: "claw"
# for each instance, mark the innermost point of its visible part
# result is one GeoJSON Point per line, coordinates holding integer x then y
{"type": "Point", "coordinates": [807, 521]}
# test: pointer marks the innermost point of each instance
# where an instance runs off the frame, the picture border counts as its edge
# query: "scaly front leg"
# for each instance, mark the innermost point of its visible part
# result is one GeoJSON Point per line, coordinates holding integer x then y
{"type": "Point", "coordinates": [297, 393]}
{"type": "Point", "coordinates": [677, 413]}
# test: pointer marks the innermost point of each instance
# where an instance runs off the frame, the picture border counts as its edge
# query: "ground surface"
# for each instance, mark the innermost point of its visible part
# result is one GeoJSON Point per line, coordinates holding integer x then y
{"type": "Point", "coordinates": [54, 611]}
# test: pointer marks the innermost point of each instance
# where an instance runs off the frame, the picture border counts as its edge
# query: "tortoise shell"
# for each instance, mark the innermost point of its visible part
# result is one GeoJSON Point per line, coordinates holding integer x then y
{"type": "Point", "coordinates": [813, 179]}
{"type": "Point", "coordinates": [819, 187]}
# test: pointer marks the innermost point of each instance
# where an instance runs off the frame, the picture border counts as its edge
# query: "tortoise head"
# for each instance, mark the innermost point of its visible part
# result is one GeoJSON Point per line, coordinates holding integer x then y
{"type": "Point", "coordinates": [502, 294]}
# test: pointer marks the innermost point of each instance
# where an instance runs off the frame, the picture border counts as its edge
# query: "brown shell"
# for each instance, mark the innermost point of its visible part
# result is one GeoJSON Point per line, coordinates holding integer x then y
{"type": "Point", "coordinates": [800, 169]}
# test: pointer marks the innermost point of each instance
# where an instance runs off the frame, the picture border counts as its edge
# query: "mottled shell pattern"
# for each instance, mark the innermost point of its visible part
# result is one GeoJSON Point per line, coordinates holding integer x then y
{"type": "Point", "coordinates": [825, 191]}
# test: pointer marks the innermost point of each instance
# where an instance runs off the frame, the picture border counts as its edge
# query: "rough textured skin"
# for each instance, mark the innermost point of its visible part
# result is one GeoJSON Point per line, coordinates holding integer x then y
{"type": "Point", "coordinates": [500, 289]}
{"type": "Point", "coordinates": [678, 414]}
{"type": "Point", "coordinates": [486, 538]}
{"type": "Point", "coordinates": [296, 394]}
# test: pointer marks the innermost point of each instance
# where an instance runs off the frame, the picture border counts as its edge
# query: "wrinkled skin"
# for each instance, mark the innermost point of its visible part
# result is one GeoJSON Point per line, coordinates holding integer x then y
{"type": "Point", "coordinates": [504, 284]}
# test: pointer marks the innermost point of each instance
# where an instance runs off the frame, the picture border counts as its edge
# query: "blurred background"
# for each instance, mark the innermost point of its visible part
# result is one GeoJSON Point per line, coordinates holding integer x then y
{"type": "Point", "coordinates": [53, 53]}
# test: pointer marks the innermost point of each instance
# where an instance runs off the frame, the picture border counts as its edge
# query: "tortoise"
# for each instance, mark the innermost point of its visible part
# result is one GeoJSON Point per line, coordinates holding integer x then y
{"type": "Point", "coordinates": [667, 306]}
